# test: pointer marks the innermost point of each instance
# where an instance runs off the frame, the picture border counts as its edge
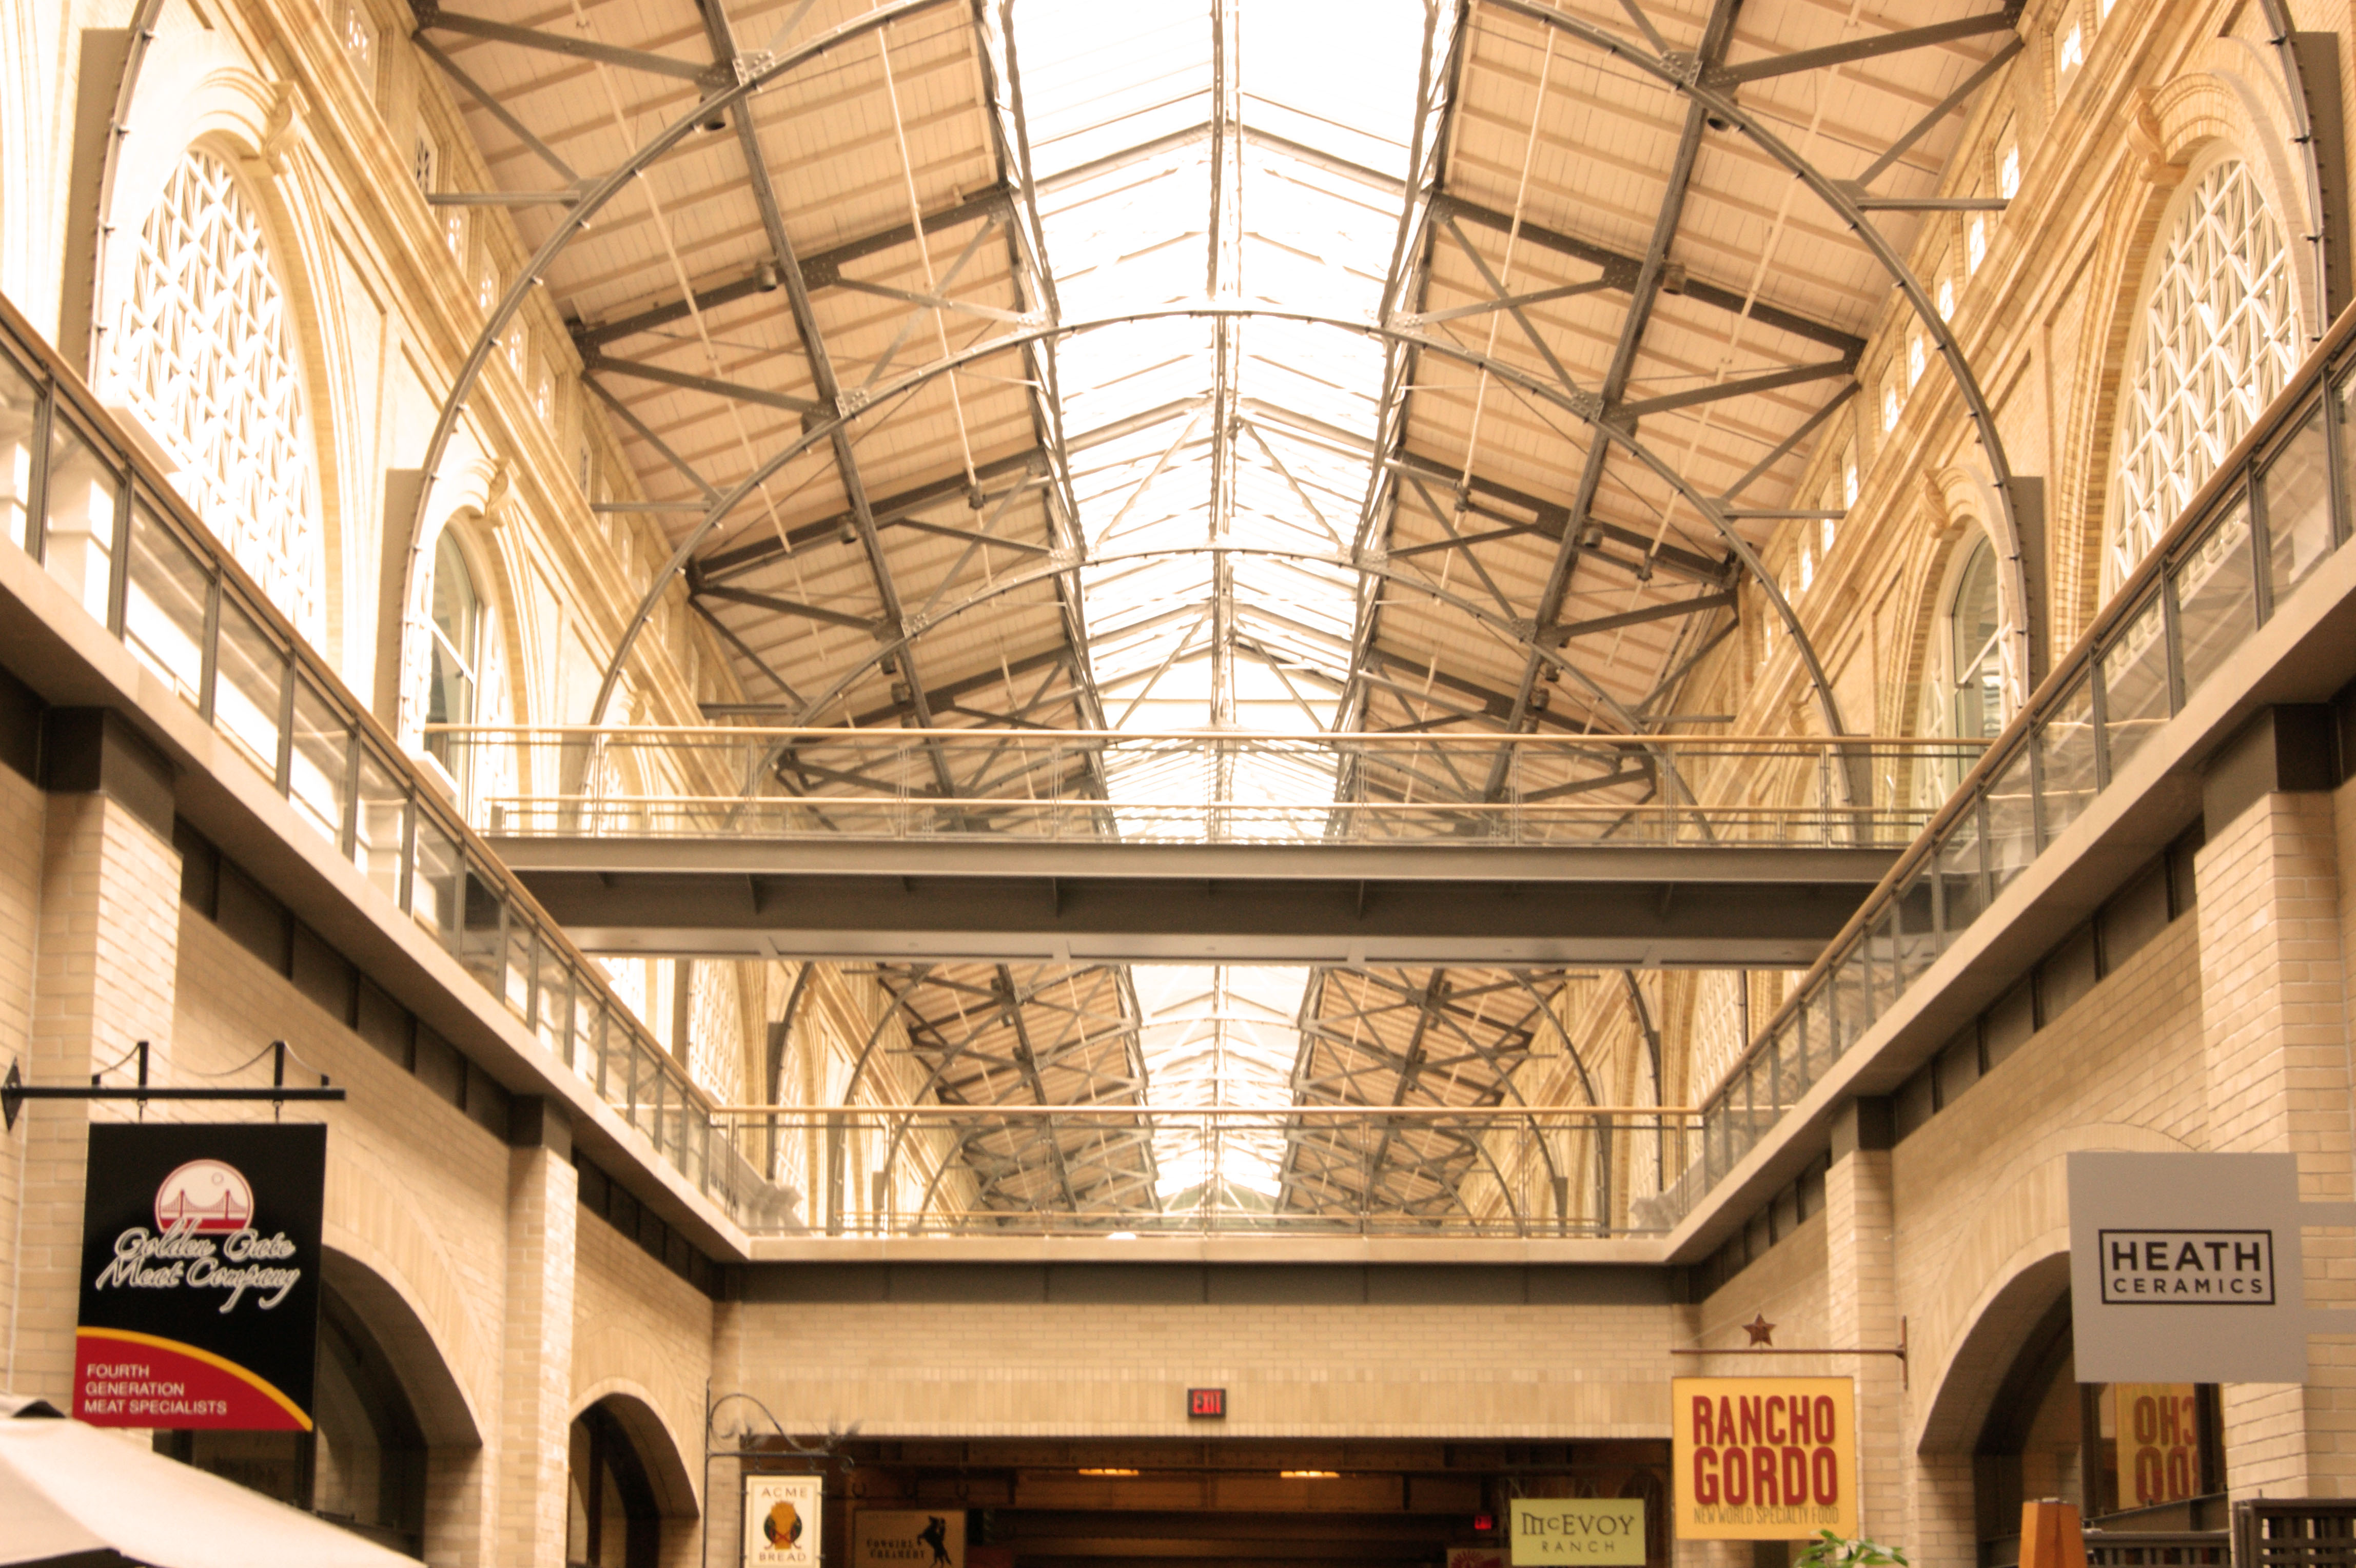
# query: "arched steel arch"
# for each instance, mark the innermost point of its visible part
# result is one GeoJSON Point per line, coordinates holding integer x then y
{"type": "Point", "coordinates": [1684, 73]}
{"type": "Point", "coordinates": [1533, 385]}
{"type": "Point", "coordinates": [595, 194]}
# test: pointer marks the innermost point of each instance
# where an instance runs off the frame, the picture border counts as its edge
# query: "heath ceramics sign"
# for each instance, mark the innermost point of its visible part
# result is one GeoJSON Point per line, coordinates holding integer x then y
{"type": "Point", "coordinates": [2186, 1267]}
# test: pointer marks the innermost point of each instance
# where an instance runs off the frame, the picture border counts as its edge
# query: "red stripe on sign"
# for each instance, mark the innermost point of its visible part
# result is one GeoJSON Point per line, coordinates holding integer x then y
{"type": "Point", "coordinates": [122, 1379]}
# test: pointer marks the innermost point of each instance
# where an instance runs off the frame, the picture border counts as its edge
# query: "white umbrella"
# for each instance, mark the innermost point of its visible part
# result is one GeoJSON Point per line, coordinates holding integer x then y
{"type": "Point", "coordinates": [74, 1497]}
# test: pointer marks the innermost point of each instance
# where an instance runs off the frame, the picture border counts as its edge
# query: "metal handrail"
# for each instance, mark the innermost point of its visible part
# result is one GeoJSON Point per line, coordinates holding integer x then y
{"type": "Point", "coordinates": [2195, 549]}
{"type": "Point", "coordinates": [324, 752]}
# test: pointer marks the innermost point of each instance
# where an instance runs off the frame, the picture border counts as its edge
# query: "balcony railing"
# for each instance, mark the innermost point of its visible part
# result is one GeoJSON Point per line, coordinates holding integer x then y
{"type": "Point", "coordinates": [84, 502]}
{"type": "Point", "coordinates": [2276, 510]}
{"type": "Point", "coordinates": [1069, 786]}
{"type": "Point", "coordinates": [1300, 1171]}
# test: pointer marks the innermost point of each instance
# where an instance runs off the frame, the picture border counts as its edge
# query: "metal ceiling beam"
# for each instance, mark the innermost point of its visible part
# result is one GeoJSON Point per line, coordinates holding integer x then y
{"type": "Point", "coordinates": [1697, 604]}
{"type": "Point", "coordinates": [1718, 32]}
{"type": "Point", "coordinates": [722, 564]}
{"type": "Point", "coordinates": [821, 269]}
{"type": "Point", "coordinates": [1620, 272]}
{"type": "Point", "coordinates": [755, 76]}
{"type": "Point", "coordinates": [2016, 500]}
{"type": "Point", "coordinates": [1873, 48]}
{"type": "Point", "coordinates": [430, 15]}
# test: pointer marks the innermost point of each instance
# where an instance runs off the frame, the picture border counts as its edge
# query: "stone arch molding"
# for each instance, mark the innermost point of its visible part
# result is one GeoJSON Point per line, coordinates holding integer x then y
{"type": "Point", "coordinates": [2007, 1265]}
{"type": "Point", "coordinates": [479, 499]}
{"type": "Point", "coordinates": [661, 1447]}
{"type": "Point", "coordinates": [445, 1411]}
{"type": "Point", "coordinates": [201, 99]}
{"type": "Point", "coordinates": [2227, 102]}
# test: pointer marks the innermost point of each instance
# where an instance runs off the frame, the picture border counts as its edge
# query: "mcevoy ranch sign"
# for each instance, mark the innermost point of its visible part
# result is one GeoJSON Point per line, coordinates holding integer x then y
{"type": "Point", "coordinates": [200, 1276]}
{"type": "Point", "coordinates": [2186, 1267]}
{"type": "Point", "coordinates": [1606, 1531]}
{"type": "Point", "coordinates": [1763, 1458]}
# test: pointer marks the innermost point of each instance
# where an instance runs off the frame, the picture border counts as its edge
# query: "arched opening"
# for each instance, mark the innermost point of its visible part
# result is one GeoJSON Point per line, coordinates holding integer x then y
{"type": "Point", "coordinates": [2218, 337]}
{"type": "Point", "coordinates": [362, 1466]}
{"type": "Point", "coordinates": [612, 1517]}
{"type": "Point", "coordinates": [1964, 690]}
{"type": "Point", "coordinates": [1974, 695]}
{"type": "Point", "coordinates": [2132, 1457]}
{"type": "Point", "coordinates": [203, 355]}
{"type": "Point", "coordinates": [454, 672]}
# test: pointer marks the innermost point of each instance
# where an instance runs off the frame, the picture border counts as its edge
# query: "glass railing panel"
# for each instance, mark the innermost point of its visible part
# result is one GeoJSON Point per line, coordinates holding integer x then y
{"type": "Point", "coordinates": [2064, 739]}
{"type": "Point", "coordinates": [482, 929]}
{"type": "Point", "coordinates": [517, 963]}
{"type": "Point", "coordinates": [436, 895]}
{"type": "Point", "coordinates": [553, 1002]}
{"type": "Point", "coordinates": [1916, 938]}
{"type": "Point", "coordinates": [2295, 485]}
{"type": "Point", "coordinates": [1847, 1016]}
{"type": "Point", "coordinates": [2216, 595]}
{"type": "Point", "coordinates": [2011, 822]}
{"type": "Point", "coordinates": [1958, 863]}
{"type": "Point", "coordinates": [249, 681]}
{"type": "Point", "coordinates": [1811, 1021]}
{"type": "Point", "coordinates": [589, 1029]}
{"type": "Point", "coordinates": [164, 605]}
{"type": "Point", "coordinates": [20, 399]}
{"type": "Point", "coordinates": [2133, 669]}
{"type": "Point", "coordinates": [317, 762]}
{"type": "Point", "coordinates": [77, 525]}
{"type": "Point", "coordinates": [382, 804]}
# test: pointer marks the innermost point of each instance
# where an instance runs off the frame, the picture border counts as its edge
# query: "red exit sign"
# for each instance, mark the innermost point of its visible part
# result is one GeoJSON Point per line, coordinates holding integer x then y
{"type": "Point", "coordinates": [1211, 1402]}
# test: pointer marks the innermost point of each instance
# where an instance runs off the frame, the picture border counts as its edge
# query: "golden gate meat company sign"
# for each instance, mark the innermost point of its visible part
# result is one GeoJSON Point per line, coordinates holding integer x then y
{"type": "Point", "coordinates": [1764, 1459]}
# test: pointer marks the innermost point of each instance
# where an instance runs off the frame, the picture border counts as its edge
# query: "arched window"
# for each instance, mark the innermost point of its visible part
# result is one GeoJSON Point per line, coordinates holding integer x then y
{"type": "Point", "coordinates": [361, 1466]}
{"type": "Point", "coordinates": [1974, 662]}
{"type": "Point", "coordinates": [611, 1519]}
{"type": "Point", "coordinates": [204, 353]}
{"type": "Point", "coordinates": [456, 659]}
{"type": "Point", "coordinates": [2218, 339]}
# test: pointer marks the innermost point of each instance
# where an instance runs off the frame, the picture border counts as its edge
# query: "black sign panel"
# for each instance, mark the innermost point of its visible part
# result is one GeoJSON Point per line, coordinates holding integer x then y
{"type": "Point", "coordinates": [200, 1276]}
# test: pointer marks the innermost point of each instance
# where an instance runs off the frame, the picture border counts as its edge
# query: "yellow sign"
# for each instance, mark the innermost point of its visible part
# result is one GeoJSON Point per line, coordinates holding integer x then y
{"type": "Point", "coordinates": [781, 1521]}
{"type": "Point", "coordinates": [1763, 1458]}
{"type": "Point", "coordinates": [2159, 1443]}
{"type": "Point", "coordinates": [1605, 1530]}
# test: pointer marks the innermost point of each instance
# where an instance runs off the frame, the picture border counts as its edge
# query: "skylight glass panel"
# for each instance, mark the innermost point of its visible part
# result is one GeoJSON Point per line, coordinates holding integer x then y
{"type": "Point", "coordinates": [1220, 463]}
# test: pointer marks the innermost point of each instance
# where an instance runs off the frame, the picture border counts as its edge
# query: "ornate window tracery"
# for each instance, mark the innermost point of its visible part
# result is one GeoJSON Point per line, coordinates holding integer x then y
{"type": "Point", "coordinates": [204, 353]}
{"type": "Point", "coordinates": [2218, 339]}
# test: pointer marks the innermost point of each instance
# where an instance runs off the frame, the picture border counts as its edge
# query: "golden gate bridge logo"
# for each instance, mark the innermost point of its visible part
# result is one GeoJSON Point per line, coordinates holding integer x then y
{"type": "Point", "coordinates": [203, 1198]}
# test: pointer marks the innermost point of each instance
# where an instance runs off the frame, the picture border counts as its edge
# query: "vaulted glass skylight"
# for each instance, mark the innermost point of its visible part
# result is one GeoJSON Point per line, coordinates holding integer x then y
{"type": "Point", "coordinates": [1192, 156]}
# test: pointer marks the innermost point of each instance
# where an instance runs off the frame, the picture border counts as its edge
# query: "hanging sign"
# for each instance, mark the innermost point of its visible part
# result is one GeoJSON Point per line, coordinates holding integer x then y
{"type": "Point", "coordinates": [894, 1538]}
{"type": "Point", "coordinates": [782, 1514]}
{"type": "Point", "coordinates": [2186, 1267]}
{"type": "Point", "coordinates": [200, 1276]}
{"type": "Point", "coordinates": [1608, 1530]}
{"type": "Point", "coordinates": [1763, 1458]}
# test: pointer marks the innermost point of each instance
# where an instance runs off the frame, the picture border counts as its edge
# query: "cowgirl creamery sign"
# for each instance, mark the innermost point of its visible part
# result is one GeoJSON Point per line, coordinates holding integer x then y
{"type": "Point", "coordinates": [1763, 1458]}
{"type": "Point", "coordinates": [200, 1276]}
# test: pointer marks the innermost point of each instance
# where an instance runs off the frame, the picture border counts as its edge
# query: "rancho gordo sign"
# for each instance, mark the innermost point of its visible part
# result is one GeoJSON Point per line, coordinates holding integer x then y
{"type": "Point", "coordinates": [200, 1276]}
{"type": "Point", "coordinates": [1763, 1458]}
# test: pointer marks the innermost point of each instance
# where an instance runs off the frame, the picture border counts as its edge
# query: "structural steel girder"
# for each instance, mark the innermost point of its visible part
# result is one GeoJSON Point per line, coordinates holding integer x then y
{"type": "Point", "coordinates": [1626, 908]}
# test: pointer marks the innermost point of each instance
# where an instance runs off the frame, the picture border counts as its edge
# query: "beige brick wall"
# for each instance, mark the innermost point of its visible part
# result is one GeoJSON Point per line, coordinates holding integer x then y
{"type": "Point", "coordinates": [105, 928]}
{"type": "Point", "coordinates": [1057, 1369]}
{"type": "Point", "coordinates": [22, 810]}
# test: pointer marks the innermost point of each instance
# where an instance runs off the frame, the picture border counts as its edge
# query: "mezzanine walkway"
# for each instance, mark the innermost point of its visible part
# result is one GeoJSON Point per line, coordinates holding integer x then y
{"type": "Point", "coordinates": [1013, 845]}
